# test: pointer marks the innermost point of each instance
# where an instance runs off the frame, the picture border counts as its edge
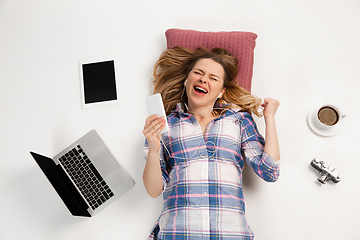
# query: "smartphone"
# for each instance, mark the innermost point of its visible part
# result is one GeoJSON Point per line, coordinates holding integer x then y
{"type": "Point", "coordinates": [155, 106]}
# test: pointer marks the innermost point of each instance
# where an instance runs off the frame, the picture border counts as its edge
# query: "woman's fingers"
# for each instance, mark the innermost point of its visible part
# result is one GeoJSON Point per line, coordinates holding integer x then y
{"type": "Point", "coordinates": [149, 120]}
{"type": "Point", "coordinates": [153, 125]}
{"type": "Point", "coordinates": [155, 129]}
{"type": "Point", "coordinates": [152, 129]}
{"type": "Point", "coordinates": [270, 106]}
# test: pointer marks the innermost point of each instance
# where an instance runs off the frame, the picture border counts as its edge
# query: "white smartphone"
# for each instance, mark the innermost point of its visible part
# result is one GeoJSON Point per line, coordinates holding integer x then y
{"type": "Point", "coordinates": [155, 106]}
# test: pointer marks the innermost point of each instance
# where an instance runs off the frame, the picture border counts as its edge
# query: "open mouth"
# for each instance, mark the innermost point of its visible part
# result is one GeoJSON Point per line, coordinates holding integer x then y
{"type": "Point", "coordinates": [200, 90]}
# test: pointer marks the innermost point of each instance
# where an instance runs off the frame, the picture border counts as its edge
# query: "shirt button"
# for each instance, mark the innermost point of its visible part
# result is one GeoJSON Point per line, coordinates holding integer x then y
{"type": "Point", "coordinates": [206, 194]}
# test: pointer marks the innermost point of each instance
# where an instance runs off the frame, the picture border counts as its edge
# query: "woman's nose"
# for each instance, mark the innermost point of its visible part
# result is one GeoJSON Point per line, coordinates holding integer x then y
{"type": "Point", "coordinates": [203, 79]}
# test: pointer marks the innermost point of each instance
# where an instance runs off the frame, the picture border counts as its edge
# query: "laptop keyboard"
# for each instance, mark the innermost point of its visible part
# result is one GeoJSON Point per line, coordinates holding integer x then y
{"type": "Point", "coordinates": [85, 176]}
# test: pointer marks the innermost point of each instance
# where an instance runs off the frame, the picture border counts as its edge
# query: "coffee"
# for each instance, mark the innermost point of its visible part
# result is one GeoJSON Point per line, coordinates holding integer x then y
{"type": "Point", "coordinates": [328, 116]}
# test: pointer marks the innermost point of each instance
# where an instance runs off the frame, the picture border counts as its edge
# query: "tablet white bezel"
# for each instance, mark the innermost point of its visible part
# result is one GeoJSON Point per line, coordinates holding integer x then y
{"type": "Point", "coordinates": [97, 59]}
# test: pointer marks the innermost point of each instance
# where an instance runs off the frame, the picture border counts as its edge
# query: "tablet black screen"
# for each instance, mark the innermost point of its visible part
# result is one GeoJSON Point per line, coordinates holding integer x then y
{"type": "Point", "coordinates": [99, 82]}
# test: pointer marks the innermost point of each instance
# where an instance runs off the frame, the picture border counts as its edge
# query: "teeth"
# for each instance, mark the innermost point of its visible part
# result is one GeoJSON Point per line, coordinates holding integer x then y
{"type": "Point", "coordinates": [201, 89]}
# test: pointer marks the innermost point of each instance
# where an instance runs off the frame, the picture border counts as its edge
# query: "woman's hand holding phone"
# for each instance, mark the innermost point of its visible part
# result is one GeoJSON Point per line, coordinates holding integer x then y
{"type": "Point", "coordinates": [152, 129]}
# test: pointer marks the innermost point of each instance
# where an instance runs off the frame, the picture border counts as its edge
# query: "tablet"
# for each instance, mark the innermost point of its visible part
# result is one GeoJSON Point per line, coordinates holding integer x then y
{"type": "Point", "coordinates": [98, 80]}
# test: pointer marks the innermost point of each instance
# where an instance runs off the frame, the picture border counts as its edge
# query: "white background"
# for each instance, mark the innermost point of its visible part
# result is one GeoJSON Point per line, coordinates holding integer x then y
{"type": "Point", "coordinates": [307, 52]}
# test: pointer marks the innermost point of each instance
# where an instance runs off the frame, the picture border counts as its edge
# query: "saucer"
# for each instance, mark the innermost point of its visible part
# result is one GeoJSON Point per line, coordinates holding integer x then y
{"type": "Point", "coordinates": [323, 132]}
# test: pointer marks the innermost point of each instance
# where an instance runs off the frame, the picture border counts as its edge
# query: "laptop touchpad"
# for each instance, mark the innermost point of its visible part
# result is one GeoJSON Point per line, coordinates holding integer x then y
{"type": "Point", "coordinates": [105, 163]}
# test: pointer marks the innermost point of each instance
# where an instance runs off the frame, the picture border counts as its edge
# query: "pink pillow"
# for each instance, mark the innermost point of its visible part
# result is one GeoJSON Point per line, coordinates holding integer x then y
{"type": "Point", "coordinates": [239, 44]}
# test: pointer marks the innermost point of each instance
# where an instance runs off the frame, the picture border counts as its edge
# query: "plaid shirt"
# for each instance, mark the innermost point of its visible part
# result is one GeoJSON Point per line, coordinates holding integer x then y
{"type": "Point", "coordinates": [202, 174]}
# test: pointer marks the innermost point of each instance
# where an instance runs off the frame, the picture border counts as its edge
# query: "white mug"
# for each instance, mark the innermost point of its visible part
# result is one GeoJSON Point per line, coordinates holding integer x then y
{"type": "Point", "coordinates": [327, 116]}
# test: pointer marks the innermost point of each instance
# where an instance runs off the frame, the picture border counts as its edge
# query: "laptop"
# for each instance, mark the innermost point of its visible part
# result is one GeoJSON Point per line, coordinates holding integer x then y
{"type": "Point", "coordinates": [86, 175]}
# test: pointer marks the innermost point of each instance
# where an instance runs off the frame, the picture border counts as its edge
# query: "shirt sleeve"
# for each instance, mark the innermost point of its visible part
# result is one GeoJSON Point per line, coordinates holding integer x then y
{"type": "Point", "coordinates": [165, 175]}
{"type": "Point", "coordinates": [252, 146]}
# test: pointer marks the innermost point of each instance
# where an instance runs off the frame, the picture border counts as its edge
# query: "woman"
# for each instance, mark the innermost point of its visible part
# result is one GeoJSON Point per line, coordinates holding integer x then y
{"type": "Point", "coordinates": [198, 163]}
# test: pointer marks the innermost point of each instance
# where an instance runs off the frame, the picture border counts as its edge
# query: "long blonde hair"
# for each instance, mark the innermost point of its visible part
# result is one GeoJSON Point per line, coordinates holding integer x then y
{"type": "Point", "coordinates": [173, 66]}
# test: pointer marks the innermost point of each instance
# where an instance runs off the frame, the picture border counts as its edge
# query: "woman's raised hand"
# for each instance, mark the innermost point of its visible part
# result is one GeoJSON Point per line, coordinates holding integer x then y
{"type": "Point", "coordinates": [152, 129]}
{"type": "Point", "coordinates": [270, 107]}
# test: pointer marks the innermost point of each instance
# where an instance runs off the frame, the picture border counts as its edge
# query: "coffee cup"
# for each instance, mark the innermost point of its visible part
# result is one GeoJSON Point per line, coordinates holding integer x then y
{"type": "Point", "coordinates": [326, 119]}
{"type": "Point", "coordinates": [327, 116]}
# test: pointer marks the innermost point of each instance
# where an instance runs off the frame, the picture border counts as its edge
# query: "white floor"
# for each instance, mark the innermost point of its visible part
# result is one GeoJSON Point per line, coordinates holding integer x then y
{"type": "Point", "coordinates": [307, 52]}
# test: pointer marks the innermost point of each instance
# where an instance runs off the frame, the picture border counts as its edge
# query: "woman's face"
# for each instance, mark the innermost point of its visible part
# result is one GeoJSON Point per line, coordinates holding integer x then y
{"type": "Point", "coordinates": [205, 83]}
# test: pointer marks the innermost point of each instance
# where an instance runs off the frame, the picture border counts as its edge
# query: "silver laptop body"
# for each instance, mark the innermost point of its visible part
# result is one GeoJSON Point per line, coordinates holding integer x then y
{"type": "Point", "coordinates": [86, 175]}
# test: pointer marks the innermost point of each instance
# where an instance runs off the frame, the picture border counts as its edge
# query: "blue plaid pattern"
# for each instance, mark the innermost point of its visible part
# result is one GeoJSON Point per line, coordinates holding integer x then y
{"type": "Point", "coordinates": [202, 174]}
